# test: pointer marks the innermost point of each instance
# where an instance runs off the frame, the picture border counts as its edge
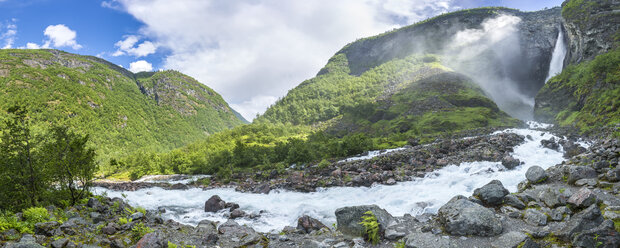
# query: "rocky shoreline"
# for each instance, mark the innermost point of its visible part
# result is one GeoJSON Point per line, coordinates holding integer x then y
{"type": "Point", "coordinates": [573, 204]}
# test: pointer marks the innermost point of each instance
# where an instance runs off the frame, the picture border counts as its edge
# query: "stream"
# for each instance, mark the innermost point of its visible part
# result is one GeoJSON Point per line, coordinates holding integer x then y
{"type": "Point", "coordinates": [281, 208]}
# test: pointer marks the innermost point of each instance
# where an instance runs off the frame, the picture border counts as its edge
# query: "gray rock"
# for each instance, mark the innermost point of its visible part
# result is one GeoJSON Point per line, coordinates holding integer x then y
{"type": "Point", "coordinates": [587, 219]}
{"type": "Point", "coordinates": [510, 162]}
{"type": "Point", "coordinates": [308, 224]}
{"type": "Point", "coordinates": [586, 182]}
{"type": "Point", "coordinates": [511, 212]}
{"type": "Point", "coordinates": [462, 217]}
{"type": "Point", "coordinates": [603, 236]}
{"type": "Point", "coordinates": [535, 217]}
{"type": "Point", "coordinates": [424, 240]}
{"type": "Point", "coordinates": [536, 174]}
{"type": "Point", "coordinates": [136, 216]}
{"type": "Point", "coordinates": [60, 243]}
{"type": "Point", "coordinates": [214, 204]}
{"type": "Point", "coordinates": [491, 194]}
{"type": "Point", "coordinates": [232, 228]}
{"type": "Point", "coordinates": [580, 172]}
{"type": "Point", "coordinates": [237, 213]}
{"type": "Point", "coordinates": [206, 226]}
{"type": "Point", "coordinates": [514, 201]}
{"type": "Point", "coordinates": [613, 175]}
{"type": "Point", "coordinates": [582, 198]}
{"type": "Point", "coordinates": [395, 232]}
{"type": "Point", "coordinates": [552, 197]}
{"type": "Point", "coordinates": [27, 241]}
{"type": "Point", "coordinates": [509, 240]}
{"type": "Point", "coordinates": [348, 219]}
{"type": "Point", "coordinates": [46, 228]}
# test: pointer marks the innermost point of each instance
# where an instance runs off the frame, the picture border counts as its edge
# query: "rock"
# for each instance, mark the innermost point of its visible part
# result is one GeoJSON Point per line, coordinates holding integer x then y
{"type": "Point", "coordinates": [424, 240]}
{"type": "Point", "coordinates": [237, 213]}
{"type": "Point", "coordinates": [150, 240]}
{"type": "Point", "coordinates": [110, 229]}
{"type": "Point", "coordinates": [587, 219]}
{"type": "Point", "coordinates": [179, 186]}
{"type": "Point", "coordinates": [550, 144]}
{"type": "Point", "coordinates": [262, 189]}
{"type": "Point", "coordinates": [27, 241]}
{"type": "Point", "coordinates": [582, 198]}
{"type": "Point", "coordinates": [535, 217]}
{"type": "Point", "coordinates": [579, 172]}
{"type": "Point", "coordinates": [511, 212]}
{"type": "Point", "coordinates": [509, 240]}
{"type": "Point", "coordinates": [491, 194]}
{"type": "Point", "coordinates": [510, 162]}
{"type": "Point", "coordinates": [60, 243]}
{"type": "Point", "coordinates": [206, 226]}
{"type": "Point", "coordinates": [603, 236]}
{"type": "Point", "coordinates": [462, 217]}
{"type": "Point", "coordinates": [552, 197]}
{"type": "Point", "coordinates": [231, 227]}
{"type": "Point", "coordinates": [394, 232]}
{"type": "Point", "coordinates": [136, 216]}
{"type": "Point", "coordinates": [613, 175]}
{"type": "Point", "coordinates": [586, 182]}
{"type": "Point", "coordinates": [571, 149]}
{"type": "Point", "coordinates": [348, 218]}
{"type": "Point", "coordinates": [46, 228]}
{"type": "Point", "coordinates": [214, 204]}
{"type": "Point", "coordinates": [536, 174]}
{"type": "Point", "coordinates": [308, 224]}
{"type": "Point", "coordinates": [231, 205]}
{"type": "Point", "coordinates": [512, 200]}
{"type": "Point", "coordinates": [390, 181]}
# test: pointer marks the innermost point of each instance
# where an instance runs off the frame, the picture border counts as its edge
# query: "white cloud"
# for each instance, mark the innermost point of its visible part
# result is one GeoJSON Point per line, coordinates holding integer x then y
{"type": "Point", "coordinates": [127, 46]}
{"type": "Point", "coordinates": [60, 36]}
{"type": "Point", "coordinates": [31, 45]}
{"type": "Point", "coordinates": [140, 65]}
{"type": "Point", "coordinates": [259, 49]}
{"type": "Point", "coordinates": [9, 34]}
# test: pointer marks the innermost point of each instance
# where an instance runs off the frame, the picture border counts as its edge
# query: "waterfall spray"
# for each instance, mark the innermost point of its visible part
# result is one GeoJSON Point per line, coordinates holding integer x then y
{"type": "Point", "coordinates": [557, 58]}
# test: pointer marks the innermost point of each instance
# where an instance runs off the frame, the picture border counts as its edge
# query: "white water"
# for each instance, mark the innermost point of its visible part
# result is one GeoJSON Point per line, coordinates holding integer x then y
{"type": "Point", "coordinates": [371, 154]}
{"type": "Point", "coordinates": [423, 195]}
{"type": "Point", "coordinates": [557, 58]}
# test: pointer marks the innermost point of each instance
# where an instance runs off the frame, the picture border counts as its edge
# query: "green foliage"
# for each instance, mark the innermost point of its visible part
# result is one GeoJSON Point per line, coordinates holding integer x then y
{"type": "Point", "coordinates": [400, 244]}
{"type": "Point", "coordinates": [140, 230]}
{"type": "Point", "coordinates": [172, 245]}
{"type": "Point", "coordinates": [120, 111]}
{"type": "Point", "coordinates": [36, 215]}
{"type": "Point", "coordinates": [371, 227]}
{"type": "Point", "coordinates": [123, 220]}
{"type": "Point", "coordinates": [9, 221]}
{"type": "Point", "coordinates": [589, 91]}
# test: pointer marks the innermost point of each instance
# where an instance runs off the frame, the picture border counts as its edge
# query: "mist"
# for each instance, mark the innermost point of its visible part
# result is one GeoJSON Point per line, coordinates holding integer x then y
{"type": "Point", "coordinates": [489, 55]}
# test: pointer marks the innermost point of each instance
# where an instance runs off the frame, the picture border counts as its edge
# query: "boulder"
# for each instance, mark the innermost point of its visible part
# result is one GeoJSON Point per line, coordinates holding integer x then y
{"type": "Point", "coordinates": [535, 217]}
{"type": "Point", "coordinates": [27, 241]}
{"type": "Point", "coordinates": [462, 217]}
{"type": "Point", "coordinates": [308, 224]}
{"type": "Point", "coordinates": [491, 194]}
{"type": "Point", "coordinates": [206, 226]}
{"type": "Point", "coordinates": [423, 240]}
{"type": "Point", "coordinates": [510, 240]}
{"type": "Point", "coordinates": [60, 243]}
{"type": "Point", "coordinates": [150, 240]}
{"type": "Point", "coordinates": [575, 173]}
{"type": "Point", "coordinates": [603, 236]}
{"type": "Point", "coordinates": [46, 228]}
{"type": "Point", "coordinates": [613, 175]}
{"type": "Point", "coordinates": [587, 219]}
{"type": "Point", "coordinates": [179, 186]}
{"type": "Point", "coordinates": [511, 212]}
{"type": "Point", "coordinates": [231, 227]}
{"type": "Point", "coordinates": [536, 174]}
{"type": "Point", "coordinates": [514, 201]}
{"type": "Point", "coordinates": [552, 197]}
{"type": "Point", "coordinates": [550, 144]}
{"type": "Point", "coordinates": [237, 213]}
{"type": "Point", "coordinates": [582, 198]}
{"type": "Point", "coordinates": [214, 204]}
{"type": "Point", "coordinates": [510, 162]}
{"type": "Point", "coordinates": [348, 219]}
{"type": "Point", "coordinates": [262, 189]}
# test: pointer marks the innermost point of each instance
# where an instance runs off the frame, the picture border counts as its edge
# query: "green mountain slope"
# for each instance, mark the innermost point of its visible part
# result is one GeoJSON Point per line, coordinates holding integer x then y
{"type": "Point", "coordinates": [121, 111]}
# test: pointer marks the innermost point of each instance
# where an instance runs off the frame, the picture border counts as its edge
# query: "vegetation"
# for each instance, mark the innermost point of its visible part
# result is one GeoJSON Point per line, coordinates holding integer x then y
{"type": "Point", "coordinates": [42, 166]}
{"type": "Point", "coordinates": [589, 93]}
{"type": "Point", "coordinates": [371, 227]}
{"type": "Point", "coordinates": [121, 112]}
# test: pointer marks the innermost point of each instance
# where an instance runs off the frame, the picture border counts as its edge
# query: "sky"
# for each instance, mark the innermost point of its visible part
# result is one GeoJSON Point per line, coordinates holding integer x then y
{"type": "Point", "coordinates": [250, 51]}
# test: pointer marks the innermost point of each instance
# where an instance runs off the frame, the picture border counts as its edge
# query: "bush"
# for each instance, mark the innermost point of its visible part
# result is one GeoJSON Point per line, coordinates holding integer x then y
{"type": "Point", "coordinates": [36, 215]}
{"type": "Point", "coordinates": [140, 230]}
{"type": "Point", "coordinates": [9, 221]}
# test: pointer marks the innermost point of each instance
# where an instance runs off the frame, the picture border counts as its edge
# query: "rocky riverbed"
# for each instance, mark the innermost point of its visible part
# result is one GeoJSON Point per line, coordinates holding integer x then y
{"type": "Point", "coordinates": [573, 202]}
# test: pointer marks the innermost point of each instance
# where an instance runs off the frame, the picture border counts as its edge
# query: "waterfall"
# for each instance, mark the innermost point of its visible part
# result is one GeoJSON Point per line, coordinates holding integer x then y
{"type": "Point", "coordinates": [557, 59]}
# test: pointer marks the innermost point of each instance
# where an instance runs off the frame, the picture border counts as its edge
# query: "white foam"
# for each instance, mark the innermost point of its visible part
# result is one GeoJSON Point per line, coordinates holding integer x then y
{"type": "Point", "coordinates": [283, 208]}
{"type": "Point", "coordinates": [371, 154]}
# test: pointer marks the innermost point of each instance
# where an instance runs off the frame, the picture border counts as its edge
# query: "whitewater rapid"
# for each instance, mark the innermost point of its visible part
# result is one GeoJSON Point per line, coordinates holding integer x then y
{"type": "Point", "coordinates": [282, 208]}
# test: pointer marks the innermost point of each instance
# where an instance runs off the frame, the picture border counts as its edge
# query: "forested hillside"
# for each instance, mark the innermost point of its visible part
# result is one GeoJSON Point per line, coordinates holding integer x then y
{"type": "Point", "coordinates": [121, 112]}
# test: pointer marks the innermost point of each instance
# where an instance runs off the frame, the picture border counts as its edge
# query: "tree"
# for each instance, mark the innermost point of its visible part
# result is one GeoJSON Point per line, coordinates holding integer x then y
{"type": "Point", "coordinates": [70, 161]}
{"type": "Point", "coordinates": [22, 175]}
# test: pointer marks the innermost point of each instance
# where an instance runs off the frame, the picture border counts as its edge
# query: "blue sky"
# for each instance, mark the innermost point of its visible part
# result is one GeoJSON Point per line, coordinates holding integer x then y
{"type": "Point", "coordinates": [264, 47]}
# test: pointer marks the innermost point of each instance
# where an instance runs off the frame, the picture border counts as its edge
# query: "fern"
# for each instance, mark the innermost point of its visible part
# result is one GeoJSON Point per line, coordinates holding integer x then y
{"type": "Point", "coordinates": [371, 227]}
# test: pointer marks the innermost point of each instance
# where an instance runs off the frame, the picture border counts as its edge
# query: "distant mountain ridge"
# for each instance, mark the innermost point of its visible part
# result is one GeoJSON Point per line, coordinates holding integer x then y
{"type": "Point", "coordinates": [122, 111]}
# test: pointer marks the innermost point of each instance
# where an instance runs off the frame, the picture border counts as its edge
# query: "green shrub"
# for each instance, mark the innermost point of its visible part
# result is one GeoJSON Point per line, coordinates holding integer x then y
{"type": "Point", "coordinates": [9, 221]}
{"type": "Point", "coordinates": [371, 227]}
{"type": "Point", "coordinates": [36, 215]}
{"type": "Point", "coordinates": [140, 230]}
{"type": "Point", "coordinates": [123, 220]}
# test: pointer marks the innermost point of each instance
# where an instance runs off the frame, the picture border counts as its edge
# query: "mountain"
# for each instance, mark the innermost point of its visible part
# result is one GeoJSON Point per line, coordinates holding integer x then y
{"type": "Point", "coordinates": [424, 79]}
{"type": "Point", "coordinates": [586, 95]}
{"type": "Point", "coordinates": [121, 111]}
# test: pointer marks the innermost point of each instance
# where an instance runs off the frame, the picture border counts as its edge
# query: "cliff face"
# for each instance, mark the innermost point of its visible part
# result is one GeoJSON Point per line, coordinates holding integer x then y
{"type": "Point", "coordinates": [591, 28]}
{"type": "Point", "coordinates": [537, 32]}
